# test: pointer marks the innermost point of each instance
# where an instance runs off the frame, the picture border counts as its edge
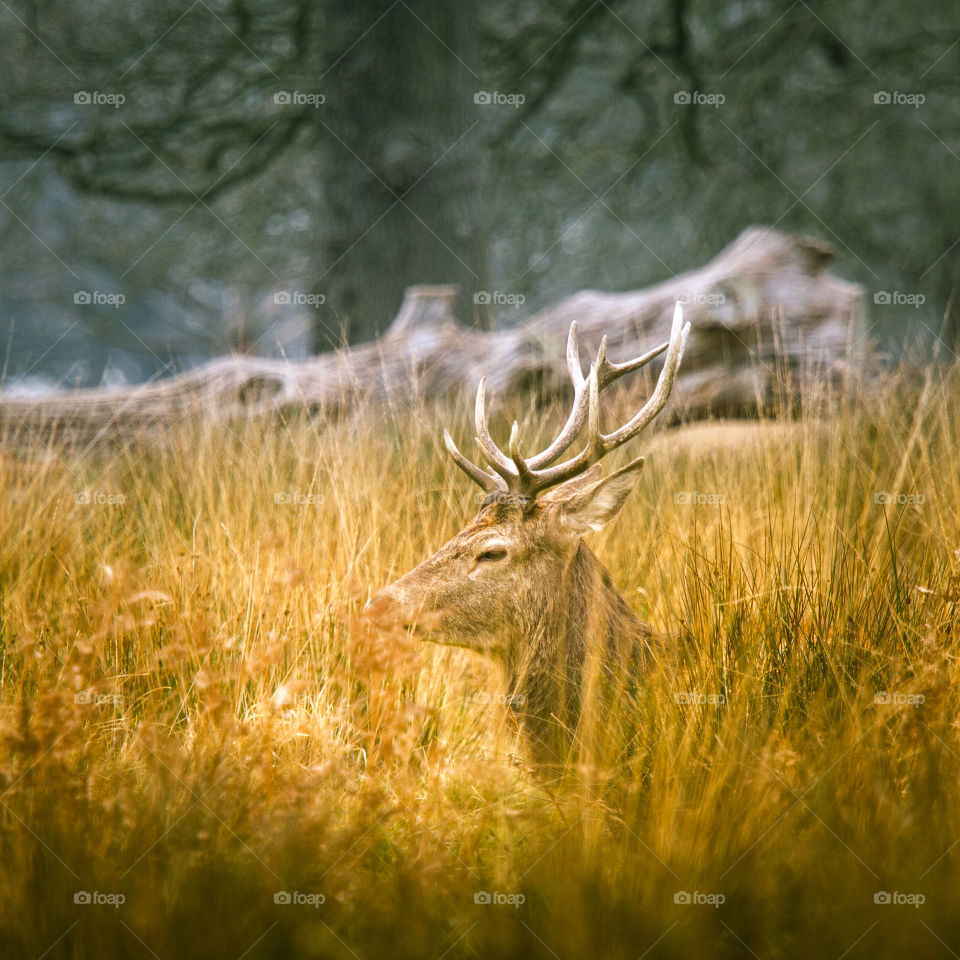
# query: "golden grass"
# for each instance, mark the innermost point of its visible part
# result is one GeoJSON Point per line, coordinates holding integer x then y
{"type": "Point", "coordinates": [188, 724]}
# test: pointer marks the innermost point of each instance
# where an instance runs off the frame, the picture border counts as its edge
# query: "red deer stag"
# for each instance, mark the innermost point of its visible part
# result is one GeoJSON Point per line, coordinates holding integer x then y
{"type": "Point", "coordinates": [518, 583]}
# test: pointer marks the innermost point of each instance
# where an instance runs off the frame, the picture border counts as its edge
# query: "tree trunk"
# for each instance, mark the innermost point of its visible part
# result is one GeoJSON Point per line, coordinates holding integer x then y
{"type": "Point", "coordinates": [402, 179]}
{"type": "Point", "coordinates": [761, 311]}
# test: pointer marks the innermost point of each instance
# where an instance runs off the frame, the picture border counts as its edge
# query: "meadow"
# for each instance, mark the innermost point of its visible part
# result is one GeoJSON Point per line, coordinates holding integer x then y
{"type": "Point", "coordinates": [202, 755]}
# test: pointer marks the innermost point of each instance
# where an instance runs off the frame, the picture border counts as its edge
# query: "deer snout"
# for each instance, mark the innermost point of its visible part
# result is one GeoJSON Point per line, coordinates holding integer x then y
{"type": "Point", "coordinates": [383, 606]}
{"type": "Point", "coordinates": [391, 608]}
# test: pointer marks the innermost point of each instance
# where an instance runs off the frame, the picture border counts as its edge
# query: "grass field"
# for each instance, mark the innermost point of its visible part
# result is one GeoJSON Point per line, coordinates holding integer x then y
{"type": "Point", "coordinates": [200, 758]}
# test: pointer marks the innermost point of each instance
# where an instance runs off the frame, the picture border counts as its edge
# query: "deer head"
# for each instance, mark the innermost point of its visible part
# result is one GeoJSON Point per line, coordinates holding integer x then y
{"type": "Point", "coordinates": [518, 583]}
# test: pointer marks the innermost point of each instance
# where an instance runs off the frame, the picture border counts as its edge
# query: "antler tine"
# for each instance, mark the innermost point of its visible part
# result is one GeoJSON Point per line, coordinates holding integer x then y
{"type": "Point", "coordinates": [481, 477]}
{"type": "Point", "coordinates": [529, 476]}
{"type": "Point", "coordinates": [608, 372]}
{"type": "Point", "coordinates": [536, 480]}
{"type": "Point", "coordinates": [661, 393]}
{"type": "Point", "coordinates": [599, 444]}
{"type": "Point", "coordinates": [495, 456]}
{"type": "Point", "coordinates": [574, 424]}
{"type": "Point", "coordinates": [573, 357]}
{"type": "Point", "coordinates": [593, 413]}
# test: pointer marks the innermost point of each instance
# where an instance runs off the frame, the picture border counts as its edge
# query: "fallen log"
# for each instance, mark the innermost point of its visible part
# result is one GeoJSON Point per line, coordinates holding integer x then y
{"type": "Point", "coordinates": [760, 310]}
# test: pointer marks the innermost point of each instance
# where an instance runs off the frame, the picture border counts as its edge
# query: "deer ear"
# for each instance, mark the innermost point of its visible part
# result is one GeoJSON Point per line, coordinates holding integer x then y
{"type": "Point", "coordinates": [566, 490]}
{"type": "Point", "coordinates": [593, 506]}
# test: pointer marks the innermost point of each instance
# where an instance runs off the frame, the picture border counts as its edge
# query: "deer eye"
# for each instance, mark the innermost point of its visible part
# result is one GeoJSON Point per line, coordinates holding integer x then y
{"type": "Point", "coordinates": [491, 554]}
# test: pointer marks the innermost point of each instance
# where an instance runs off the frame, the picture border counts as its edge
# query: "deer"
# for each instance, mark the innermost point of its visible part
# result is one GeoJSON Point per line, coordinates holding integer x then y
{"type": "Point", "coordinates": [518, 583]}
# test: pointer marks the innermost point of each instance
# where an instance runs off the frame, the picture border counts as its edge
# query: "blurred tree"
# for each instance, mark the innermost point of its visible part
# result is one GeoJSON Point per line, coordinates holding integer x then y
{"type": "Point", "coordinates": [650, 130]}
{"type": "Point", "coordinates": [179, 108]}
{"type": "Point", "coordinates": [402, 182]}
{"type": "Point", "coordinates": [525, 148]}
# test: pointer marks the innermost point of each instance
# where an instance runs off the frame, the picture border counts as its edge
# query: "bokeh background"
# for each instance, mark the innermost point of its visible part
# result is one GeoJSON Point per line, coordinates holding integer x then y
{"type": "Point", "coordinates": [183, 179]}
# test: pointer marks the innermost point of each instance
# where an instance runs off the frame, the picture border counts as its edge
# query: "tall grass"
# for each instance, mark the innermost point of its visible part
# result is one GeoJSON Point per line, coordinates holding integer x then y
{"type": "Point", "coordinates": [192, 733]}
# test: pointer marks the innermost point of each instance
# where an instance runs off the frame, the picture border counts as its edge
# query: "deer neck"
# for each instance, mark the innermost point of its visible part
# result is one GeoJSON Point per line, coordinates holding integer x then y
{"type": "Point", "coordinates": [610, 624]}
{"type": "Point", "coordinates": [581, 616]}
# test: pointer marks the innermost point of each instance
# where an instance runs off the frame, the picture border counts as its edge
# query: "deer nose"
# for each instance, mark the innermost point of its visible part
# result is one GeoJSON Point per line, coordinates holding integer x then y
{"type": "Point", "coordinates": [385, 609]}
{"type": "Point", "coordinates": [378, 604]}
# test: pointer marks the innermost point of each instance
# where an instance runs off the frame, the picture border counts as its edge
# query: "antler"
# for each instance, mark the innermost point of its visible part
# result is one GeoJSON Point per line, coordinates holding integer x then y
{"type": "Point", "coordinates": [528, 476]}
